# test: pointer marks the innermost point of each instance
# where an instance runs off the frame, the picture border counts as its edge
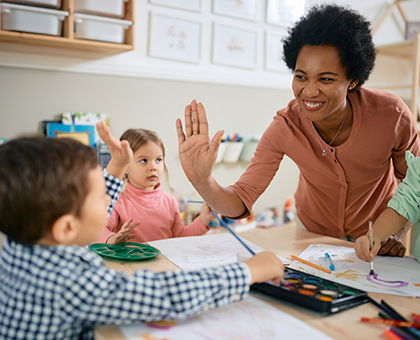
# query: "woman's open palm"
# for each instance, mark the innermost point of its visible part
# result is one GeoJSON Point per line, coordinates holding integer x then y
{"type": "Point", "coordinates": [196, 152]}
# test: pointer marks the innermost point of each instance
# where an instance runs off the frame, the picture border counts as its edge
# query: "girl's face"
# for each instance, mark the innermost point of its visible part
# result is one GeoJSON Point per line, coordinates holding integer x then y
{"type": "Point", "coordinates": [320, 83]}
{"type": "Point", "coordinates": [145, 170]}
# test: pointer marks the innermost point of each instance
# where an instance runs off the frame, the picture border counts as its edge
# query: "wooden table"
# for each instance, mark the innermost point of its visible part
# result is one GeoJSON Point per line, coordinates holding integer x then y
{"type": "Point", "coordinates": [284, 241]}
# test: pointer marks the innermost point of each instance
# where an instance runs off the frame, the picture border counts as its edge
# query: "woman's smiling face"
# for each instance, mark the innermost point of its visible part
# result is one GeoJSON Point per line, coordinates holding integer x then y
{"type": "Point", "coordinates": [320, 82]}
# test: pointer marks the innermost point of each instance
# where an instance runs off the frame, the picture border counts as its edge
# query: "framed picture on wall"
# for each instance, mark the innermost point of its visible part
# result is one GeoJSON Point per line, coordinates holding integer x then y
{"type": "Point", "coordinates": [174, 38]}
{"type": "Point", "coordinates": [274, 51]}
{"type": "Point", "coordinates": [243, 9]}
{"type": "Point", "coordinates": [284, 12]}
{"type": "Point", "coordinates": [234, 46]}
{"type": "Point", "coordinates": [193, 5]}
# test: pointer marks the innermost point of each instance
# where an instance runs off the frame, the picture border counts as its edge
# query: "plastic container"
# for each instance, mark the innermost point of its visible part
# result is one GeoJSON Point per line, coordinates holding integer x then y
{"type": "Point", "coordinates": [233, 152]}
{"type": "Point", "coordinates": [110, 8]}
{"type": "Point", "coordinates": [100, 28]}
{"type": "Point", "coordinates": [31, 19]}
{"type": "Point", "coordinates": [221, 152]}
{"type": "Point", "coordinates": [43, 3]}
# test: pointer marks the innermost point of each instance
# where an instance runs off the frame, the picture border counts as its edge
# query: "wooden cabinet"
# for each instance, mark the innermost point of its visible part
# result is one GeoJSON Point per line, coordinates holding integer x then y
{"type": "Point", "coordinates": [409, 50]}
{"type": "Point", "coordinates": [68, 41]}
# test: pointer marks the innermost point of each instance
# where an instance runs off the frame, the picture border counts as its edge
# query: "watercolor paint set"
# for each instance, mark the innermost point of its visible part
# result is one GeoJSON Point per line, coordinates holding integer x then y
{"type": "Point", "coordinates": [313, 292]}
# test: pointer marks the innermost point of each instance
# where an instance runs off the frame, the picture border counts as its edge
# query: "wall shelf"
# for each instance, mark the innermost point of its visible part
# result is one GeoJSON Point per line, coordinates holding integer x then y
{"type": "Point", "coordinates": [68, 41]}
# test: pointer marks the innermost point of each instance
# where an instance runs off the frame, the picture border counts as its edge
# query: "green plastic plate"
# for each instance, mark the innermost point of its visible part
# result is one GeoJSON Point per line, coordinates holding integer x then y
{"type": "Point", "coordinates": [125, 251]}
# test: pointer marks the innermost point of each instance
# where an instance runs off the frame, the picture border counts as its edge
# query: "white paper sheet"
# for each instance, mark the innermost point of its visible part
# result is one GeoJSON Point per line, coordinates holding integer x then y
{"type": "Point", "coordinates": [394, 275]}
{"type": "Point", "coordinates": [251, 319]}
{"type": "Point", "coordinates": [196, 252]}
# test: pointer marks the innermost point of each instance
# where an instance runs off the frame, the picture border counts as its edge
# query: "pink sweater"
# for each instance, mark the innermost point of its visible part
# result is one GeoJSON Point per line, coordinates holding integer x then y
{"type": "Point", "coordinates": [157, 212]}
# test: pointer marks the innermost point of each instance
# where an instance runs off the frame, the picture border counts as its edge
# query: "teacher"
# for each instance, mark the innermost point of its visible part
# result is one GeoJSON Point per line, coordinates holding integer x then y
{"type": "Point", "coordinates": [349, 142]}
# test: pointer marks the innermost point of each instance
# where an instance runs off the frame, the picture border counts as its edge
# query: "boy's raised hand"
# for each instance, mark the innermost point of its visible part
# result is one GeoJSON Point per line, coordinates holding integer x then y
{"type": "Point", "coordinates": [266, 266]}
{"type": "Point", "coordinates": [123, 234]}
{"type": "Point", "coordinates": [121, 153]}
{"type": "Point", "coordinates": [196, 152]}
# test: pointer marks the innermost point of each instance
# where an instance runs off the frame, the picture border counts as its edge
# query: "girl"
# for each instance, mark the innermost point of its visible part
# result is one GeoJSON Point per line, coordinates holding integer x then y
{"type": "Point", "coordinates": [156, 213]}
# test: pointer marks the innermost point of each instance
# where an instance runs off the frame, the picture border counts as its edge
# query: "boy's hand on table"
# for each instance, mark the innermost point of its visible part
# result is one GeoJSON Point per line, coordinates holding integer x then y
{"type": "Point", "coordinates": [392, 246]}
{"type": "Point", "coordinates": [121, 153]}
{"type": "Point", "coordinates": [123, 234]}
{"type": "Point", "coordinates": [266, 266]}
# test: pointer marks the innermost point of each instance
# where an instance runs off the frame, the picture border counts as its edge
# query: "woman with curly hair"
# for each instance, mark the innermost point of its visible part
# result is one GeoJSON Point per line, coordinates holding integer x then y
{"type": "Point", "coordinates": [348, 141]}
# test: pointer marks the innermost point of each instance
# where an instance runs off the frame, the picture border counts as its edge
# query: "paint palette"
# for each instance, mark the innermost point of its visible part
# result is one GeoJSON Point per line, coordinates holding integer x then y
{"type": "Point", "coordinates": [313, 292]}
{"type": "Point", "coordinates": [125, 251]}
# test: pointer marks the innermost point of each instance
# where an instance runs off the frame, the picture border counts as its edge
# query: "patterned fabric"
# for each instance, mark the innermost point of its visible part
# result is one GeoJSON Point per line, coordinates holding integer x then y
{"type": "Point", "coordinates": [62, 292]}
{"type": "Point", "coordinates": [113, 188]}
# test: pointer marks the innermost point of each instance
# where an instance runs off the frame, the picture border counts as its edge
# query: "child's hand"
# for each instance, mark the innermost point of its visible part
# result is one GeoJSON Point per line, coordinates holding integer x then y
{"type": "Point", "coordinates": [266, 266]}
{"type": "Point", "coordinates": [362, 248]}
{"type": "Point", "coordinates": [205, 214]}
{"type": "Point", "coordinates": [124, 234]}
{"type": "Point", "coordinates": [121, 153]}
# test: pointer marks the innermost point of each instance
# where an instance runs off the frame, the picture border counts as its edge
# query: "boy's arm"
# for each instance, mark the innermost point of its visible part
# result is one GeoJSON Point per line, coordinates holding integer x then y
{"type": "Point", "coordinates": [111, 297]}
{"type": "Point", "coordinates": [113, 189]}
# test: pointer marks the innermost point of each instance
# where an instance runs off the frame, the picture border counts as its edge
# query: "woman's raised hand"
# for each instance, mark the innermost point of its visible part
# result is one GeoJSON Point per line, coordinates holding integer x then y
{"type": "Point", "coordinates": [197, 153]}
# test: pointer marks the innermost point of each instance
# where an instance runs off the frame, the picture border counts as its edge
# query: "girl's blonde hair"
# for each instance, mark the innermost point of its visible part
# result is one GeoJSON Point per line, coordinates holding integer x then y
{"type": "Point", "coordinates": [139, 137]}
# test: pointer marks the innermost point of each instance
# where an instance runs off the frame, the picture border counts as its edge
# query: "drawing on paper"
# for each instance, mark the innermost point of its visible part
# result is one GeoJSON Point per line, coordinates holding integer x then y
{"type": "Point", "coordinates": [393, 284]}
{"type": "Point", "coordinates": [252, 319]}
{"type": "Point", "coordinates": [392, 275]}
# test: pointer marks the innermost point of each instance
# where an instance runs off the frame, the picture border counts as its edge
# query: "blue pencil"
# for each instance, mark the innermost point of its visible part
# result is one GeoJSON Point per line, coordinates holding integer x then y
{"type": "Point", "coordinates": [232, 232]}
{"type": "Point", "coordinates": [382, 308]}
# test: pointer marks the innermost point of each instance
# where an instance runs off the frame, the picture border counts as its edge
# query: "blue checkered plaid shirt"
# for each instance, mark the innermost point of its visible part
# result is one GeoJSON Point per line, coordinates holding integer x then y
{"type": "Point", "coordinates": [62, 292]}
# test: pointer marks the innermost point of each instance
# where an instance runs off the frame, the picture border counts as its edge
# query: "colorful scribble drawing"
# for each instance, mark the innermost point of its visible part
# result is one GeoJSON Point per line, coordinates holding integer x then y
{"type": "Point", "coordinates": [392, 275]}
{"type": "Point", "coordinates": [393, 284]}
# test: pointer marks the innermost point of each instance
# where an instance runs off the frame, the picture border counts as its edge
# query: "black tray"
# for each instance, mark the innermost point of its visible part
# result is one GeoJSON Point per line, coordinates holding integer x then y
{"type": "Point", "coordinates": [313, 292]}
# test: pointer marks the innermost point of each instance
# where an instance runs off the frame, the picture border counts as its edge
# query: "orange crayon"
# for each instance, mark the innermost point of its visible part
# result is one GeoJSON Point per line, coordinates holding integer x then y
{"type": "Point", "coordinates": [391, 322]}
{"type": "Point", "coordinates": [310, 264]}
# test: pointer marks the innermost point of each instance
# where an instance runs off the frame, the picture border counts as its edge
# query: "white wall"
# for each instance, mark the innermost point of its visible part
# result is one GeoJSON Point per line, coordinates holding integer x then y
{"type": "Point", "coordinates": [138, 91]}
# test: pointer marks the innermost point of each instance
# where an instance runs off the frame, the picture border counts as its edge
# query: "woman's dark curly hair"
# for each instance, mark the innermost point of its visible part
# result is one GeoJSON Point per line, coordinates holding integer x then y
{"type": "Point", "coordinates": [338, 26]}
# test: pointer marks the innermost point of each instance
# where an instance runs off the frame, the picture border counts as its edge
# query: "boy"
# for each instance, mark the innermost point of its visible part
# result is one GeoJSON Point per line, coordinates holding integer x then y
{"type": "Point", "coordinates": [404, 206]}
{"type": "Point", "coordinates": [53, 203]}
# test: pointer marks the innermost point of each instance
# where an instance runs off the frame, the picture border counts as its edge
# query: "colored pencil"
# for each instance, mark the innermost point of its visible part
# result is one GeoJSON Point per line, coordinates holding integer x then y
{"type": "Point", "coordinates": [412, 330]}
{"type": "Point", "coordinates": [310, 264]}
{"type": "Point", "coordinates": [389, 334]}
{"type": "Point", "coordinates": [383, 309]}
{"type": "Point", "coordinates": [372, 272]}
{"type": "Point", "coordinates": [401, 332]}
{"type": "Point", "coordinates": [201, 202]}
{"type": "Point", "coordinates": [232, 232]}
{"type": "Point", "coordinates": [397, 323]}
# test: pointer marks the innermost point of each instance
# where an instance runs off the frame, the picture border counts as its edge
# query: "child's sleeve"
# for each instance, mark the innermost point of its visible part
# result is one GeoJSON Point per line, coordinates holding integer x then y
{"type": "Point", "coordinates": [113, 189]}
{"type": "Point", "coordinates": [106, 296]}
{"type": "Point", "coordinates": [406, 200]}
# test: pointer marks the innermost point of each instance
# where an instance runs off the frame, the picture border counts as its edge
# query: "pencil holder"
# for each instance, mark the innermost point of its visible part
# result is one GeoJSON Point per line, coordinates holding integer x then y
{"type": "Point", "coordinates": [248, 151]}
{"type": "Point", "coordinates": [221, 152]}
{"type": "Point", "coordinates": [233, 151]}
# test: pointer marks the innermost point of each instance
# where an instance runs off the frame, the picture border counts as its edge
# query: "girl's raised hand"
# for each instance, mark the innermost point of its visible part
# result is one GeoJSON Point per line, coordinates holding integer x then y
{"type": "Point", "coordinates": [123, 234]}
{"type": "Point", "coordinates": [197, 153]}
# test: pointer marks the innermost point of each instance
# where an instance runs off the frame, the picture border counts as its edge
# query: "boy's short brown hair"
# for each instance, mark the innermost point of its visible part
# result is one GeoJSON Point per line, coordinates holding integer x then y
{"type": "Point", "coordinates": [41, 179]}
